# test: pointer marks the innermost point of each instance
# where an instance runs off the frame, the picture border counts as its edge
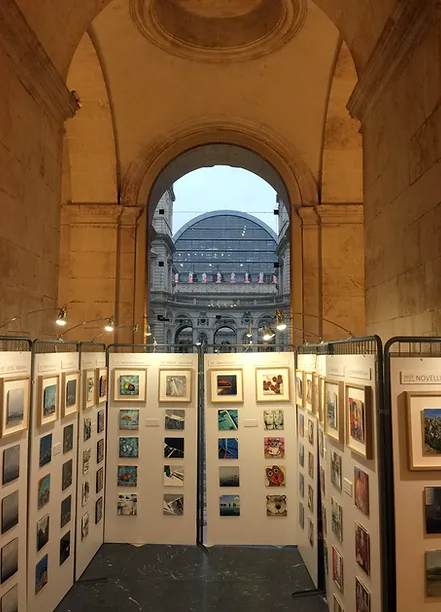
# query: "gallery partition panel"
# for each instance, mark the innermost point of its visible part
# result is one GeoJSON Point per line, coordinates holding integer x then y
{"type": "Point", "coordinates": [15, 376]}
{"type": "Point", "coordinates": [53, 472]}
{"type": "Point", "coordinates": [251, 449]}
{"type": "Point", "coordinates": [152, 446]}
{"type": "Point", "coordinates": [91, 454]}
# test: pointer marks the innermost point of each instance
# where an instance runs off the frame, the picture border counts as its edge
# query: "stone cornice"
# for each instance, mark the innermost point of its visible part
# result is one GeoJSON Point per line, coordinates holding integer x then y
{"type": "Point", "coordinates": [400, 37]}
{"type": "Point", "coordinates": [308, 215]}
{"type": "Point", "coordinates": [341, 214]}
{"type": "Point", "coordinates": [32, 64]}
{"type": "Point", "coordinates": [90, 214]}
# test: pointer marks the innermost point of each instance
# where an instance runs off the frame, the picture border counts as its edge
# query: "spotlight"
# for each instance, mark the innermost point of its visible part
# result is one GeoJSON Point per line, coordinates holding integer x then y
{"type": "Point", "coordinates": [62, 317]}
{"type": "Point", "coordinates": [268, 333]}
{"type": "Point", "coordinates": [109, 324]}
{"type": "Point", "coordinates": [249, 331]}
{"type": "Point", "coordinates": [281, 325]}
{"type": "Point", "coordinates": [148, 331]}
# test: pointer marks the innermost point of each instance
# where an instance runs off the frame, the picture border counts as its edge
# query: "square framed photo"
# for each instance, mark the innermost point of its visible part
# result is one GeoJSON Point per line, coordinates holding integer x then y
{"type": "Point", "coordinates": [337, 569]}
{"type": "Point", "coordinates": [309, 392]}
{"type": "Point", "coordinates": [334, 422]}
{"type": "Point", "coordinates": [48, 396]}
{"type": "Point", "coordinates": [272, 385]}
{"type": "Point", "coordinates": [129, 385]}
{"type": "Point", "coordinates": [175, 385]}
{"type": "Point", "coordinates": [101, 385]}
{"type": "Point", "coordinates": [423, 430]}
{"type": "Point", "coordinates": [14, 401]}
{"type": "Point", "coordinates": [69, 393]}
{"type": "Point", "coordinates": [359, 432]}
{"type": "Point", "coordinates": [226, 386]}
{"type": "Point", "coordinates": [300, 384]}
{"type": "Point", "coordinates": [89, 389]}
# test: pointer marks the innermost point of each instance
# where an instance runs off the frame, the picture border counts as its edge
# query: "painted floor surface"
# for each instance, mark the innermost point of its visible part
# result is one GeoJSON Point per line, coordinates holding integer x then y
{"type": "Point", "coordinates": [184, 579]}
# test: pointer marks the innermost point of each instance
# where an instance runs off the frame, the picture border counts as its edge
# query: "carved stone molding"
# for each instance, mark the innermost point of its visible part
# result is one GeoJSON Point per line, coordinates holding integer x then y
{"type": "Point", "coordinates": [309, 216]}
{"type": "Point", "coordinates": [341, 214]}
{"type": "Point", "coordinates": [400, 37]}
{"type": "Point", "coordinates": [32, 64]}
{"type": "Point", "coordinates": [98, 214]}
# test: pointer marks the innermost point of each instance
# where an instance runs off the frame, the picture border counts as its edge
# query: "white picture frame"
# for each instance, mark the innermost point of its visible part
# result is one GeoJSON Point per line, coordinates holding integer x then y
{"type": "Point", "coordinates": [226, 385]}
{"type": "Point", "coordinates": [130, 385]}
{"type": "Point", "coordinates": [273, 384]}
{"type": "Point", "coordinates": [48, 399]}
{"type": "Point", "coordinates": [175, 385]}
{"type": "Point", "coordinates": [69, 393]}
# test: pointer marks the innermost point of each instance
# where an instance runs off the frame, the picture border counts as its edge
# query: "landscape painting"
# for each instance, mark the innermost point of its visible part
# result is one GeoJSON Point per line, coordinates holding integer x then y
{"type": "Point", "coordinates": [174, 420]}
{"type": "Point", "coordinates": [129, 419]}
{"type": "Point", "coordinates": [11, 464]}
{"type": "Point", "coordinates": [173, 475]}
{"type": "Point", "coordinates": [14, 399]}
{"type": "Point", "coordinates": [15, 407]}
{"type": "Point", "coordinates": [227, 420]}
{"type": "Point", "coordinates": [127, 504]}
{"type": "Point", "coordinates": [229, 505]}
{"type": "Point", "coordinates": [423, 430]}
{"type": "Point", "coordinates": [173, 504]}
{"type": "Point", "coordinates": [229, 476]}
{"type": "Point", "coordinates": [432, 431]}
{"type": "Point", "coordinates": [228, 448]}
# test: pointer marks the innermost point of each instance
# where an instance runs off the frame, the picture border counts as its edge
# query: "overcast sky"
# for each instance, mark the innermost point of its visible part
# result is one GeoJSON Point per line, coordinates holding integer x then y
{"type": "Point", "coordinates": [223, 187]}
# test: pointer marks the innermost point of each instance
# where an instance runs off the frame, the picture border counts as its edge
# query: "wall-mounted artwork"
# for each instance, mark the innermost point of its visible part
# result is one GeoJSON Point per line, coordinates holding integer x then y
{"type": "Point", "coordinates": [175, 385]}
{"type": "Point", "coordinates": [66, 474]}
{"type": "Point", "coordinates": [301, 454]}
{"type": "Point", "coordinates": [128, 447]}
{"type": "Point", "coordinates": [45, 450]}
{"type": "Point", "coordinates": [9, 511]}
{"type": "Point", "coordinates": [14, 399]}
{"type": "Point", "coordinates": [41, 576]}
{"type": "Point", "coordinates": [361, 490]}
{"type": "Point", "coordinates": [272, 385]}
{"type": "Point", "coordinates": [86, 460]}
{"type": "Point", "coordinates": [322, 399]}
{"type": "Point", "coordinates": [174, 448]}
{"type": "Point", "coordinates": [130, 385]}
{"type": "Point", "coordinates": [362, 597]}
{"type": "Point", "coordinates": [99, 480]}
{"type": "Point", "coordinates": [301, 515]}
{"type": "Point", "coordinates": [229, 476]}
{"type": "Point", "coordinates": [363, 548]}
{"type": "Point", "coordinates": [69, 393]}
{"type": "Point", "coordinates": [311, 432]}
{"type": "Point", "coordinates": [127, 504]}
{"type": "Point", "coordinates": [100, 450]}
{"type": "Point", "coordinates": [129, 419]}
{"type": "Point", "coordinates": [322, 482]}
{"type": "Point", "coordinates": [310, 532]}
{"type": "Point", "coordinates": [68, 435]}
{"type": "Point", "coordinates": [44, 491]}
{"type": "Point", "coordinates": [274, 448]}
{"type": "Point", "coordinates": [311, 465]}
{"type": "Point", "coordinates": [42, 532]}
{"type": "Point", "coordinates": [173, 475]}
{"type": "Point", "coordinates": [276, 505]}
{"type": "Point", "coordinates": [334, 421]}
{"type": "Point", "coordinates": [301, 485]}
{"type": "Point", "coordinates": [173, 504]}
{"type": "Point", "coordinates": [11, 464]}
{"type": "Point", "coordinates": [337, 569]}
{"type": "Point", "coordinates": [321, 443]}
{"type": "Point", "coordinates": [228, 420]}
{"type": "Point", "coordinates": [66, 510]}
{"type": "Point", "coordinates": [87, 428]}
{"type": "Point", "coordinates": [100, 421]}
{"type": "Point", "coordinates": [9, 560]}
{"type": "Point", "coordinates": [226, 386]}
{"type": "Point", "coordinates": [424, 430]}
{"type": "Point", "coordinates": [174, 420]}
{"type": "Point", "coordinates": [229, 505]}
{"type": "Point", "coordinates": [101, 385]}
{"type": "Point", "coordinates": [85, 492]}
{"type": "Point", "coordinates": [359, 420]}
{"type": "Point", "coordinates": [48, 399]}
{"type": "Point", "coordinates": [433, 573]}
{"type": "Point", "coordinates": [84, 526]}
{"type": "Point", "coordinates": [89, 389]}
{"type": "Point", "coordinates": [127, 476]}
{"type": "Point", "coordinates": [301, 425]}
{"type": "Point", "coordinates": [336, 474]}
{"type": "Point", "coordinates": [228, 448]}
{"type": "Point", "coordinates": [309, 393]}
{"type": "Point", "coordinates": [98, 510]}
{"type": "Point", "coordinates": [64, 547]}
{"type": "Point", "coordinates": [275, 476]}
{"type": "Point", "coordinates": [299, 388]}
{"type": "Point", "coordinates": [337, 519]}
{"type": "Point", "coordinates": [432, 509]}
{"type": "Point", "coordinates": [310, 498]}
{"type": "Point", "coordinates": [9, 601]}
{"type": "Point", "coordinates": [273, 420]}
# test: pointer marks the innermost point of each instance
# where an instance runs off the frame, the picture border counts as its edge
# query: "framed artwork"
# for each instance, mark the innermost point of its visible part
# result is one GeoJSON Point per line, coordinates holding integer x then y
{"type": "Point", "coordinates": [89, 389]}
{"type": "Point", "coordinates": [175, 385]}
{"type": "Point", "coordinates": [45, 450]}
{"type": "Point", "coordinates": [322, 482]}
{"type": "Point", "coordinates": [174, 419]}
{"type": "Point", "coordinates": [11, 464]}
{"type": "Point", "coordinates": [229, 476]}
{"type": "Point", "coordinates": [48, 396]}
{"type": "Point", "coordinates": [101, 385]}
{"type": "Point", "coordinates": [87, 428]}
{"type": "Point", "coordinates": [274, 448]}
{"type": "Point", "coordinates": [9, 560]}
{"type": "Point", "coordinates": [433, 573]}
{"type": "Point", "coordinates": [334, 422]}
{"type": "Point", "coordinates": [129, 419]}
{"type": "Point", "coordinates": [100, 421]}
{"type": "Point", "coordinates": [9, 602]}
{"type": "Point", "coordinates": [173, 476]}
{"type": "Point", "coordinates": [85, 492]}
{"type": "Point", "coordinates": [66, 509]}
{"type": "Point", "coordinates": [301, 515]}
{"type": "Point", "coordinates": [272, 385]}
{"type": "Point", "coordinates": [361, 491]}
{"type": "Point", "coordinates": [127, 504]}
{"type": "Point", "coordinates": [359, 420]}
{"type": "Point", "coordinates": [432, 509]}
{"type": "Point", "coordinates": [68, 438]}
{"type": "Point", "coordinates": [337, 607]}
{"type": "Point", "coordinates": [301, 454]}
{"type": "Point", "coordinates": [301, 425]}
{"type": "Point", "coordinates": [14, 399]}
{"type": "Point", "coordinates": [311, 465]}
{"type": "Point", "coordinates": [311, 431]}
{"type": "Point", "coordinates": [275, 476]}
{"type": "Point", "coordinates": [227, 420]}
{"type": "Point", "coordinates": [69, 393]}
{"type": "Point", "coordinates": [98, 510]}
{"type": "Point", "coordinates": [174, 448]}
{"type": "Point", "coordinates": [9, 511]}
{"type": "Point", "coordinates": [84, 526]}
{"type": "Point", "coordinates": [127, 476]}
{"type": "Point", "coordinates": [276, 505]}
{"type": "Point", "coordinates": [128, 447]}
{"type": "Point", "coordinates": [229, 505]}
{"type": "Point", "coordinates": [300, 377]}
{"type": "Point", "coordinates": [41, 575]}
{"type": "Point", "coordinates": [310, 532]}
{"type": "Point", "coordinates": [226, 386]}
{"type": "Point", "coordinates": [86, 460]}
{"type": "Point", "coordinates": [321, 399]}
{"type": "Point", "coordinates": [64, 547]}
{"type": "Point", "coordinates": [363, 548]}
{"type": "Point", "coordinates": [228, 448]}
{"type": "Point", "coordinates": [301, 485]}
{"type": "Point", "coordinates": [309, 392]}
{"type": "Point", "coordinates": [100, 450]}
{"type": "Point", "coordinates": [66, 475]}
{"type": "Point", "coordinates": [315, 393]}
{"type": "Point", "coordinates": [42, 532]}
{"type": "Point", "coordinates": [130, 385]}
{"type": "Point", "coordinates": [336, 474]}
{"type": "Point", "coordinates": [337, 519]}
{"type": "Point", "coordinates": [337, 569]}
{"type": "Point", "coordinates": [423, 423]}
{"type": "Point", "coordinates": [273, 420]}
{"type": "Point", "coordinates": [362, 597]}
{"type": "Point", "coordinates": [44, 491]}
{"type": "Point", "coordinates": [310, 498]}
{"type": "Point", "coordinates": [99, 480]}
{"type": "Point", "coordinates": [173, 504]}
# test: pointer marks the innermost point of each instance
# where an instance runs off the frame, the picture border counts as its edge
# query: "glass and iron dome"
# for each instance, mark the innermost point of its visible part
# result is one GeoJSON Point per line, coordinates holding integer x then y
{"type": "Point", "coordinates": [225, 241]}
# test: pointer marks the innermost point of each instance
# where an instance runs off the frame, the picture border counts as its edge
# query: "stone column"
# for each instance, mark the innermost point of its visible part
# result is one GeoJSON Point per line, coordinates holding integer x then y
{"type": "Point", "coordinates": [311, 275]}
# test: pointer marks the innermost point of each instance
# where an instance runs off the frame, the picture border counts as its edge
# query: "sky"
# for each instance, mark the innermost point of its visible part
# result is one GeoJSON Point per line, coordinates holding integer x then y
{"type": "Point", "coordinates": [223, 187]}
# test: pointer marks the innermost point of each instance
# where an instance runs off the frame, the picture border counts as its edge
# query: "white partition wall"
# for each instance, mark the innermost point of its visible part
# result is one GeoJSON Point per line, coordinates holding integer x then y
{"type": "Point", "coordinates": [91, 459]}
{"type": "Point", "coordinates": [15, 372]}
{"type": "Point", "coordinates": [152, 448]}
{"type": "Point", "coordinates": [52, 478]}
{"type": "Point", "coordinates": [251, 449]}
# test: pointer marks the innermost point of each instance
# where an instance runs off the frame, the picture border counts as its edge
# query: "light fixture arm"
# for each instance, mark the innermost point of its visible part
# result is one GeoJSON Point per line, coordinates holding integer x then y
{"type": "Point", "coordinates": [107, 319]}
{"type": "Point", "coordinates": [134, 326]}
{"type": "Point", "coordinates": [61, 310]}
{"type": "Point", "coordinates": [305, 314]}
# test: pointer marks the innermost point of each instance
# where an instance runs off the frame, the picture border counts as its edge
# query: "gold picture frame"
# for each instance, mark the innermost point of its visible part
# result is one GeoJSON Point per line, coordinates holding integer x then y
{"type": "Point", "coordinates": [273, 384]}
{"type": "Point", "coordinates": [101, 385]}
{"type": "Point", "coordinates": [226, 385]}
{"type": "Point", "coordinates": [48, 399]}
{"type": "Point", "coordinates": [88, 377]}
{"type": "Point", "coordinates": [321, 399]}
{"type": "Point", "coordinates": [334, 410]}
{"type": "Point", "coordinates": [130, 385]}
{"type": "Point", "coordinates": [424, 451]}
{"type": "Point", "coordinates": [69, 393]}
{"type": "Point", "coordinates": [175, 385]}
{"type": "Point", "coordinates": [358, 408]}
{"type": "Point", "coordinates": [308, 390]}
{"type": "Point", "coordinates": [14, 394]}
{"type": "Point", "coordinates": [300, 388]}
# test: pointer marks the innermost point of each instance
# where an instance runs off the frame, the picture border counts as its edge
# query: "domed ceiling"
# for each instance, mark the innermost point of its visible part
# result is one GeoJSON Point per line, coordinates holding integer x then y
{"type": "Point", "coordinates": [219, 30]}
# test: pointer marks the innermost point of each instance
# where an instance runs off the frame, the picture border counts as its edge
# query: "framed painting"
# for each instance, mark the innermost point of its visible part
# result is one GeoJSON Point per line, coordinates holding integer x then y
{"type": "Point", "coordinates": [272, 385]}
{"type": "Point", "coordinates": [315, 393]}
{"type": "Point", "coordinates": [362, 597]}
{"type": "Point", "coordinates": [69, 393]}
{"type": "Point", "coordinates": [309, 392]}
{"type": "Point", "coordinates": [14, 399]}
{"type": "Point", "coordinates": [334, 422]}
{"type": "Point", "coordinates": [424, 430]}
{"type": "Point", "coordinates": [101, 385]}
{"type": "Point", "coordinates": [337, 569]}
{"type": "Point", "coordinates": [359, 436]}
{"type": "Point", "coordinates": [175, 385]}
{"type": "Point", "coordinates": [89, 389]}
{"type": "Point", "coordinates": [321, 399]}
{"type": "Point", "coordinates": [130, 385]}
{"type": "Point", "coordinates": [226, 386]}
{"type": "Point", "coordinates": [363, 548]}
{"type": "Point", "coordinates": [48, 399]}
{"type": "Point", "coordinates": [300, 383]}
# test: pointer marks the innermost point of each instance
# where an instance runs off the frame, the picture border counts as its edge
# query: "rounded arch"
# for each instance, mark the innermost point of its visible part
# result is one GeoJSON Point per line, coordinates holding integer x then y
{"type": "Point", "coordinates": [233, 213]}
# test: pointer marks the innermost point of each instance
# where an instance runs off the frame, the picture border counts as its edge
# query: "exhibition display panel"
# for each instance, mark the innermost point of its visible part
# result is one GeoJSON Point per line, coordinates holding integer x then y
{"type": "Point", "coordinates": [152, 448]}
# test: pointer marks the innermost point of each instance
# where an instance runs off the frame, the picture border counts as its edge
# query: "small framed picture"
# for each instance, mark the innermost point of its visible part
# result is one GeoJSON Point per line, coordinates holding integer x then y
{"type": "Point", "coordinates": [101, 385]}
{"type": "Point", "coordinates": [362, 597]}
{"type": "Point", "coordinates": [100, 421]}
{"type": "Point", "coordinates": [9, 560]}
{"type": "Point", "coordinates": [98, 510]}
{"type": "Point", "coordinates": [14, 400]}
{"type": "Point", "coordinates": [41, 575]}
{"type": "Point", "coordinates": [309, 395]}
{"type": "Point", "coordinates": [300, 380]}
{"type": "Point", "coordinates": [127, 504]}
{"type": "Point", "coordinates": [432, 509]}
{"type": "Point", "coordinates": [48, 405]}
{"type": "Point", "coordinates": [42, 532]}
{"type": "Point", "coordinates": [272, 385]}
{"type": "Point", "coordinates": [361, 490]}
{"type": "Point", "coordinates": [336, 470]}
{"type": "Point", "coordinates": [315, 393]}
{"type": "Point", "coordinates": [89, 389]}
{"type": "Point", "coordinates": [226, 386]}
{"type": "Point", "coordinates": [337, 605]}
{"type": "Point", "coordinates": [334, 422]}
{"type": "Point", "coordinates": [85, 493]}
{"type": "Point", "coordinates": [100, 450]}
{"type": "Point", "coordinates": [337, 519]}
{"type": "Point", "coordinates": [175, 385]}
{"type": "Point", "coordinates": [130, 385]}
{"type": "Point", "coordinates": [321, 399]}
{"type": "Point", "coordinates": [423, 422]}
{"type": "Point", "coordinates": [363, 548]}
{"type": "Point", "coordinates": [69, 393]}
{"type": "Point", "coordinates": [11, 464]}
{"type": "Point", "coordinates": [99, 480]}
{"type": "Point", "coordinates": [301, 515]}
{"type": "Point", "coordinates": [359, 420]}
{"type": "Point", "coordinates": [275, 476]}
{"type": "Point", "coordinates": [337, 569]}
